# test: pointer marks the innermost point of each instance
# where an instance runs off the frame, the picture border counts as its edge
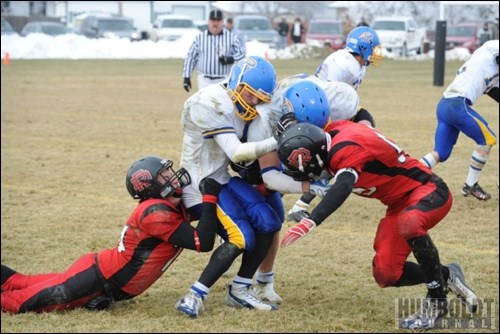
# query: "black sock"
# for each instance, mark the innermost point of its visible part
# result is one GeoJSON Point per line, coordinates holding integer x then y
{"type": "Point", "coordinates": [307, 198]}
{"type": "Point", "coordinates": [412, 275]}
{"type": "Point", "coordinates": [428, 258]}
{"type": "Point", "coordinates": [251, 261]}
{"type": "Point", "coordinates": [219, 263]}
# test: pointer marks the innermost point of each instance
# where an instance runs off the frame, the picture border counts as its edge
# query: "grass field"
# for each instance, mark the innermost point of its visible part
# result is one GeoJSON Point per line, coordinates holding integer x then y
{"type": "Point", "coordinates": [70, 130]}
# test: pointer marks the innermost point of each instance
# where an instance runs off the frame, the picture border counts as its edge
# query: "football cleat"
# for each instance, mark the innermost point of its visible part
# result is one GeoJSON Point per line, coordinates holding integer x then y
{"type": "Point", "coordinates": [426, 317]}
{"type": "Point", "coordinates": [475, 191]}
{"type": "Point", "coordinates": [457, 285]}
{"type": "Point", "coordinates": [191, 304]}
{"type": "Point", "coordinates": [243, 298]}
{"type": "Point", "coordinates": [265, 292]}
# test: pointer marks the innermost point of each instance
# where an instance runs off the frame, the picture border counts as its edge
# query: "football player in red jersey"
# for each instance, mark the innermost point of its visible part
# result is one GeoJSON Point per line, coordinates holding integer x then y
{"type": "Point", "coordinates": [365, 162]}
{"type": "Point", "coordinates": [155, 234]}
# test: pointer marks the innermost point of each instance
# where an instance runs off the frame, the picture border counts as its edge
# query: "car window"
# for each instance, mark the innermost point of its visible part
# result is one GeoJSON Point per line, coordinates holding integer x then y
{"type": "Point", "coordinates": [325, 28]}
{"type": "Point", "coordinates": [54, 29]}
{"type": "Point", "coordinates": [114, 25]}
{"type": "Point", "coordinates": [178, 23]}
{"type": "Point", "coordinates": [254, 24]}
{"type": "Point", "coordinates": [461, 31]}
{"type": "Point", "coordinates": [388, 25]}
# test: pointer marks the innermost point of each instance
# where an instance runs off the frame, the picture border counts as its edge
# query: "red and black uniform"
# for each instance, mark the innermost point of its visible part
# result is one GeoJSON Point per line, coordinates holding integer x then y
{"type": "Point", "coordinates": [153, 237]}
{"type": "Point", "coordinates": [371, 165]}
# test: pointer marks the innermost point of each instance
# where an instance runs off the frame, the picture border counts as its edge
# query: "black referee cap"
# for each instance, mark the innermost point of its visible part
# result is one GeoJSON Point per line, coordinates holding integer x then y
{"type": "Point", "coordinates": [216, 14]}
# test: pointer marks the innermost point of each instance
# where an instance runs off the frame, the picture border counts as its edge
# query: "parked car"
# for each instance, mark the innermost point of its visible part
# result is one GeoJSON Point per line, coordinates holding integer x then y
{"type": "Point", "coordinates": [7, 28]}
{"type": "Point", "coordinates": [463, 35]}
{"type": "Point", "coordinates": [400, 34]}
{"type": "Point", "coordinates": [172, 27]}
{"type": "Point", "coordinates": [109, 26]}
{"type": "Point", "coordinates": [257, 27]}
{"type": "Point", "coordinates": [325, 32]}
{"type": "Point", "coordinates": [45, 27]}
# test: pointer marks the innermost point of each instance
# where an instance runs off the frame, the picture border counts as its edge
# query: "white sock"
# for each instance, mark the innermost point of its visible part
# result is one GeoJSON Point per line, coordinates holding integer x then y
{"type": "Point", "coordinates": [241, 282]}
{"type": "Point", "coordinates": [428, 160]}
{"type": "Point", "coordinates": [264, 278]}
{"type": "Point", "coordinates": [477, 162]}
{"type": "Point", "coordinates": [200, 289]}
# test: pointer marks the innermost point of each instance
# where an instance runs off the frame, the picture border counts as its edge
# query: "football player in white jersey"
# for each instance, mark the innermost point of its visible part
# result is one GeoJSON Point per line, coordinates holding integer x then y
{"type": "Point", "coordinates": [215, 121]}
{"type": "Point", "coordinates": [477, 76]}
{"type": "Point", "coordinates": [346, 65]}
{"type": "Point", "coordinates": [218, 122]}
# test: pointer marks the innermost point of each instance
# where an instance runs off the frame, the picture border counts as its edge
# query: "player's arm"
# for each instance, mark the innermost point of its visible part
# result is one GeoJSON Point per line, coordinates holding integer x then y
{"type": "Point", "coordinates": [202, 237]}
{"type": "Point", "coordinates": [364, 116]}
{"type": "Point", "coordinates": [238, 151]}
{"type": "Point", "coordinates": [274, 179]}
{"type": "Point", "coordinates": [341, 189]}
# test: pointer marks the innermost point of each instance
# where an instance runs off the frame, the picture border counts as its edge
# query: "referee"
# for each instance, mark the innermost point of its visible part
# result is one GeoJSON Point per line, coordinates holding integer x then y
{"type": "Point", "coordinates": [213, 52]}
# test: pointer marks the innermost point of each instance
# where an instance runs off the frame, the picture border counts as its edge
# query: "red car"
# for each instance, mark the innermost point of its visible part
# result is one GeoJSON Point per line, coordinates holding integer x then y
{"type": "Point", "coordinates": [463, 35]}
{"type": "Point", "coordinates": [324, 32]}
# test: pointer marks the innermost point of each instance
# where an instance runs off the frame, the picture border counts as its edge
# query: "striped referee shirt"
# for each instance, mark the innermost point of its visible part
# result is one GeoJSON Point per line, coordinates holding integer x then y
{"type": "Point", "coordinates": [206, 50]}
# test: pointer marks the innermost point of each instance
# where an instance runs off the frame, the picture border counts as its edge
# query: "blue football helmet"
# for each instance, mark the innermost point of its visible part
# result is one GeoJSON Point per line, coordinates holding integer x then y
{"type": "Point", "coordinates": [365, 42]}
{"type": "Point", "coordinates": [308, 103]}
{"type": "Point", "coordinates": [254, 75]}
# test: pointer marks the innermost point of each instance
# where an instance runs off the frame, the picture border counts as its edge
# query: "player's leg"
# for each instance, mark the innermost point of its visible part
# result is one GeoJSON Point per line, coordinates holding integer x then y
{"type": "Point", "coordinates": [474, 126]}
{"type": "Point", "coordinates": [70, 289]}
{"type": "Point", "coordinates": [265, 223]}
{"type": "Point", "coordinates": [239, 236]}
{"type": "Point", "coordinates": [264, 287]}
{"type": "Point", "coordinates": [446, 134]}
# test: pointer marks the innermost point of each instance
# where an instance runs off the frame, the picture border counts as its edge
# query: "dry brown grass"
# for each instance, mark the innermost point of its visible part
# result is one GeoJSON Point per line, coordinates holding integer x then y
{"type": "Point", "coordinates": [70, 130]}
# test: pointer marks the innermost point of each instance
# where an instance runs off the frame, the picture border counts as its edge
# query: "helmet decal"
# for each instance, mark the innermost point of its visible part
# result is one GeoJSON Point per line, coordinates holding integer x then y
{"type": "Point", "coordinates": [287, 107]}
{"type": "Point", "coordinates": [299, 158]}
{"type": "Point", "coordinates": [141, 180]}
{"type": "Point", "coordinates": [366, 37]}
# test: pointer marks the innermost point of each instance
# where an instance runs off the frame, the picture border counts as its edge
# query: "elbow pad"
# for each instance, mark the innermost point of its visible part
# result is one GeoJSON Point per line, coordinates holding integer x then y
{"type": "Point", "coordinates": [254, 150]}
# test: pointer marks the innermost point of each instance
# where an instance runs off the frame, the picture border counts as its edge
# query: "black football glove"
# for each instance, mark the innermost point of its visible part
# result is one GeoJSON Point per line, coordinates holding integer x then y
{"type": "Point", "coordinates": [226, 60]}
{"type": "Point", "coordinates": [286, 121]}
{"type": "Point", "coordinates": [187, 84]}
{"type": "Point", "coordinates": [210, 187]}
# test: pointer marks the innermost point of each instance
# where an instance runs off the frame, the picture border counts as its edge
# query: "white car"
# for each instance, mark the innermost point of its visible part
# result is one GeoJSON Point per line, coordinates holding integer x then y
{"type": "Point", "coordinates": [172, 27]}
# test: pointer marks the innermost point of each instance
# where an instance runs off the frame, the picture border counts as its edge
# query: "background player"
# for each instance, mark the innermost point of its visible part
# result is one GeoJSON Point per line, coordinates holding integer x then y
{"type": "Point", "coordinates": [479, 75]}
